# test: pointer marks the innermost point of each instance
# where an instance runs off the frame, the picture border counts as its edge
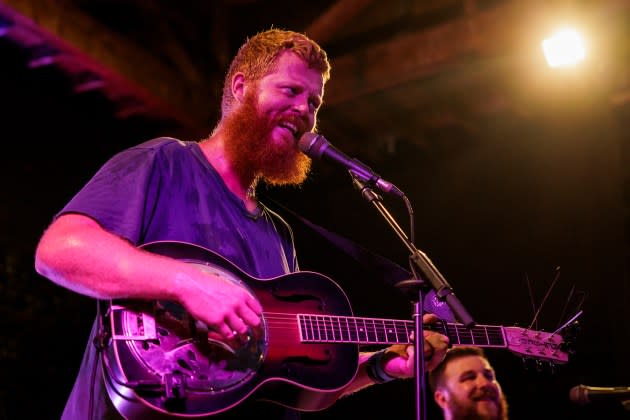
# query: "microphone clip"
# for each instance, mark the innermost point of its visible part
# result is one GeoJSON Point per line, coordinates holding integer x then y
{"type": "Point", "coordinates": [366, 190]}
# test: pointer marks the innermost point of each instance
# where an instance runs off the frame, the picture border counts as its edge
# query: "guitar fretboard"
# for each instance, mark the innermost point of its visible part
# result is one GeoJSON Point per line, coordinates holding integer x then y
{"type": "Point", "coordinates": [342, 329]}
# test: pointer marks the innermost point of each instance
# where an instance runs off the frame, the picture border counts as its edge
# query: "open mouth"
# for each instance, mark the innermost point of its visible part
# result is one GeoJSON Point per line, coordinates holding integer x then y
{"type": "Point", "coordinates": [486, 399]}
{"type": "Point", "coordinates": [485, 396]}
{"type": "Point", "coordinates": [290, 127]}
{"type": "Point", "coordinates": [293, 124]}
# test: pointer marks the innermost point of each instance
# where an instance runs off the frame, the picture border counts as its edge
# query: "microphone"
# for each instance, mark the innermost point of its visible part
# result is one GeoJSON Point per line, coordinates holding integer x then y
{"type": "Point", "coordinates": [582, 394]}
{"type": "Point", "coordinates": [317, 147]}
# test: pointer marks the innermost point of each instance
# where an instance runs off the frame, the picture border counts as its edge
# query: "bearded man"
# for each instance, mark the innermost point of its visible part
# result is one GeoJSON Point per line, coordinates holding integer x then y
{"type": "Point", "coordinates": [202, 193]}
{"type": "Point", "coordinates": [465, 386]}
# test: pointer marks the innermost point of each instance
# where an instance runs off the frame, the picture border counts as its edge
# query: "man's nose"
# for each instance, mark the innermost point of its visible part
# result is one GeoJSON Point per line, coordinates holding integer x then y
{"type": "Point", "coordinates": [482, 381]}
{"type": "Point", "coordinates": [301, 105]}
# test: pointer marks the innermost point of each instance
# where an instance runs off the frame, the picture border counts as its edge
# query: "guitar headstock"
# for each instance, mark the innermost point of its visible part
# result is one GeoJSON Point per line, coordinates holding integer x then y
{"type": "Point", "coordinates": [538, 345]}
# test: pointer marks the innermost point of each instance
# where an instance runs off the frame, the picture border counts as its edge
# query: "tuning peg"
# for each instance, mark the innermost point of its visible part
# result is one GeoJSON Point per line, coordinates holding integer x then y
{"type": "Point", "coordinates": [528, 363]}
{"type": "Point", "coordinates": [526, 366]}
{"type": "Point", "coordinates": [568, 346]}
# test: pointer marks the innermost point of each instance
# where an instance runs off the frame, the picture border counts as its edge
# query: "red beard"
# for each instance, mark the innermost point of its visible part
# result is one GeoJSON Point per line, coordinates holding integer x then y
{"type": "Point", "coordinates": [252, 153]}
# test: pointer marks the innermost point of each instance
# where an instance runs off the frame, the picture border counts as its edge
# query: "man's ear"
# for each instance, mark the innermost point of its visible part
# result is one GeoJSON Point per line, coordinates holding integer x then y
{"type": "Point", "coordinates": [238, 86]}
{"type": "Point", "coordinates": [441, 398]}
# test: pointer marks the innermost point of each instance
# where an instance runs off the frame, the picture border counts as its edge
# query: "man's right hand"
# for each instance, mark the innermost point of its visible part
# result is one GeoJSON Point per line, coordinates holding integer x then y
{"type": "Point", "coordinates": [224, 306]}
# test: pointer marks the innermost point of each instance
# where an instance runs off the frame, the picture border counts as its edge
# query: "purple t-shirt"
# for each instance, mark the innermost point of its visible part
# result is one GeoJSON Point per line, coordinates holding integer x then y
{"type": "Point", "coordinates": [166, 190]}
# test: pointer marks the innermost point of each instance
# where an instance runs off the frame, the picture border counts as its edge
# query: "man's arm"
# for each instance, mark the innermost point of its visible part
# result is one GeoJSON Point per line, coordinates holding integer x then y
{"type": "Point", "coordinates": [77, 253]}
{"type": "Point", "coordinates": [398, 360]}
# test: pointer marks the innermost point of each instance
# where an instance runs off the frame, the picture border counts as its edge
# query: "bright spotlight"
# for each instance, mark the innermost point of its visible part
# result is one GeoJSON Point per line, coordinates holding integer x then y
{"type": "Point", "coordinates": [564, 48]}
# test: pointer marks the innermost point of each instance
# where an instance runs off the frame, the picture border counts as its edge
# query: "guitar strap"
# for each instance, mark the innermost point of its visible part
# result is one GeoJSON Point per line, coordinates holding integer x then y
{"type": "Point", "coordinates": [382, 268]}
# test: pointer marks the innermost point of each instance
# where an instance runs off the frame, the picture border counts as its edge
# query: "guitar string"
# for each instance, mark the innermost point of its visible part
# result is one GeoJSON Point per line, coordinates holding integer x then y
{"type": "Point", "coordinates": [292, 317]}
{"type": "Point", "coordinates": [380, 328]}
{"type": "Point", "coordinates": [370, 333]}
{"type": "Point", "coordinates": [284, 332]}
{"type": "Point", "coordinates": [372, 323]}
{"type": "Point", "coordinates": [334, 323]}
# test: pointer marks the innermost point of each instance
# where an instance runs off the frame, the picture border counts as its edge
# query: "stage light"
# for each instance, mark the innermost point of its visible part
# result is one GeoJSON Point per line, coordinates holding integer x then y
{"type": "Point", "coordinates": [565, 48]}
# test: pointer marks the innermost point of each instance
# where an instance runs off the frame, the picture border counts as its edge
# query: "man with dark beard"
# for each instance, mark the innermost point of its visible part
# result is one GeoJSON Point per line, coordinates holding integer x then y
{"type": "Point", "coordinates": [465, 386]}
{"type": "Point", "coordinates": [201, 193]}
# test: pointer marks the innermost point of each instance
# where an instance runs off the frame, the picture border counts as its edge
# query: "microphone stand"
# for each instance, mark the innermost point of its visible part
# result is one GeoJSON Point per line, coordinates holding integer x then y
{"type": "Point", "coordinates": [429, 272]}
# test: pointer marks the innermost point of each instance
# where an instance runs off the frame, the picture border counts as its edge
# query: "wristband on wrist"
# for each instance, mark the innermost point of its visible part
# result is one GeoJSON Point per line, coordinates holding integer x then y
{"type": "Point", "coordinates": [374, 368]}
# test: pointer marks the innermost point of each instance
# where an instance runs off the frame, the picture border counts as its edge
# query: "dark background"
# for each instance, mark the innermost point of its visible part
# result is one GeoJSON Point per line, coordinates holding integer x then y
{"type": "Point", "coordinates": [498, 208]}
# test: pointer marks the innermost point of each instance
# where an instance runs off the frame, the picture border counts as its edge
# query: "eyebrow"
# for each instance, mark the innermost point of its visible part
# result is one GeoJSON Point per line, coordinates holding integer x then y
{"type": "Point", "coordinates": [474, 372]}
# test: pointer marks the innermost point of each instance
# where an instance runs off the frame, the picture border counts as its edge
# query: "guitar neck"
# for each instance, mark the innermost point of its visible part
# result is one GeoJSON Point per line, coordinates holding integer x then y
{"type": "Point", "coordinates": [342, 329]}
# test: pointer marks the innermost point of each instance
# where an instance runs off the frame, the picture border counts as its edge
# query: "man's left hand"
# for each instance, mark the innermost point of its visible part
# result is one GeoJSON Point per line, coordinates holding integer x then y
{"type": "Point", "coordinates": [398, 361]}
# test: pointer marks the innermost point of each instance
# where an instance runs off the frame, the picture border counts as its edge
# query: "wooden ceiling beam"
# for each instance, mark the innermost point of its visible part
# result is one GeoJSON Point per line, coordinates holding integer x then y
{"type": "Point", "coordinates": [127, 72]}
{"type": "Point", "coordinates": [418, 55]}
{"type": "Point", "coordinates": [335, 18]}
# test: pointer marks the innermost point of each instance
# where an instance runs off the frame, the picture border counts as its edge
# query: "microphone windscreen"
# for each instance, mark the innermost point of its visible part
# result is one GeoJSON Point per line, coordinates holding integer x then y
{"type": "Point", "coordinates": [578, 395]}
{"type": "Point", "coordinates": [312, 144]}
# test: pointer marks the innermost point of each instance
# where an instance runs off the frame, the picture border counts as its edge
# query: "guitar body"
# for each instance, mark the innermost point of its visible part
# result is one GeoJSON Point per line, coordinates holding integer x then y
{"type": "Point", "coordinates": [160, 363]}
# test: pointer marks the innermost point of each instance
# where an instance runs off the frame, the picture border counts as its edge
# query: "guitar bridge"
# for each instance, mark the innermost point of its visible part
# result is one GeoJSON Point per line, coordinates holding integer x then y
{"type": "Point", "coordinates": [138, 326]}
